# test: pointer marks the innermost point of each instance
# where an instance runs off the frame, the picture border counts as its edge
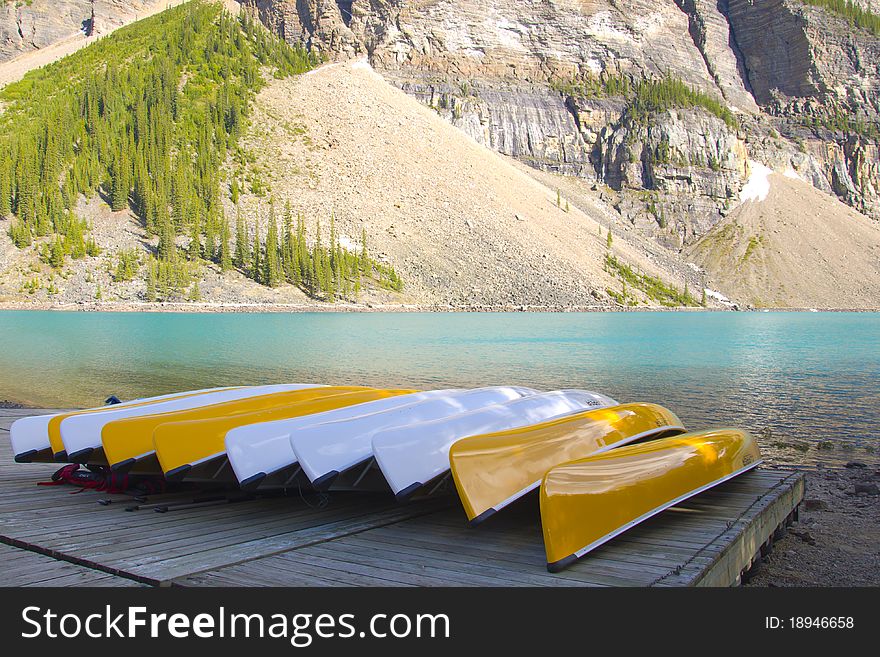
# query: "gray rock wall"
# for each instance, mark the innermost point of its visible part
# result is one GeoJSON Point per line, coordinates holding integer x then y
{"type": "Point", "coordinates": [26, 27]}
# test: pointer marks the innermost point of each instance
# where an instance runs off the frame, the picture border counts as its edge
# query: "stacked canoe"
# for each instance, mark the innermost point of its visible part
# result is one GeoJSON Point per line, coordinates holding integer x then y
{"type": "Point", "coordinates": [601, 466]}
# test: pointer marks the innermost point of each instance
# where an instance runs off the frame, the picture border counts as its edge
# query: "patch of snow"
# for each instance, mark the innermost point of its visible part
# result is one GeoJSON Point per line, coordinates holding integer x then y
{"type": "Point", "coordinates": [791, 173]}
{"type": "Point", "coordinates": [695, 267]}
{"type": "Point", "coordinates": [758, 185]}
{"type": "Point", "coordinates": [717, 296]}
{"type": "Point", "coordinates": [349, 244]}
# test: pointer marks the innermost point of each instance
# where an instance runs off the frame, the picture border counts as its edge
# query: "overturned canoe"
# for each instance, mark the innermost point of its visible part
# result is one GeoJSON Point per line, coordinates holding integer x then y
{"type": "Point", "coordinates": [588, 502]}
{"type": "Point", "coordinates": [493, 470]}
{"type": "Point", "coordinates": [413, 455]}
{"type": "Point", "coordinates": [182, 445]}
{"type": "Point", "coordinates": [325, 450]}
{"type": "Point", "coordinates": [258, 451]}
{"type": "Point", "coordinates": [30, 435]}
{"type": "Point", "coordinates": [128, 438]}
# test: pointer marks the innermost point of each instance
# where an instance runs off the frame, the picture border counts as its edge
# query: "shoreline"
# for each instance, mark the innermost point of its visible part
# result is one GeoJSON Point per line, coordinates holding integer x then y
{"type": "Point", "coordinates": [834, 541]}
{"type": "Point", "coordinates": [207, 307]}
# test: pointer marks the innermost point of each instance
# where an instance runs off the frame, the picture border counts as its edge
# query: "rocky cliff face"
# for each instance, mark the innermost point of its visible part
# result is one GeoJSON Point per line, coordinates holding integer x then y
{"type": "Point", "coordinates": [814, 73]}
{"type": "Point", "coordinates": [28, 26]}
{"type": "Point", "coordinates": [790, 70]}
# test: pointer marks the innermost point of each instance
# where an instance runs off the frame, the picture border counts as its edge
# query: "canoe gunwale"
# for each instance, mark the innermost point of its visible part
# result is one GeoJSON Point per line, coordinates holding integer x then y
{"type": "Point", "coordinates": [657, 433]}
{"type": "Point", "coordinates": [204, 459]}
{"type": "Point", "coordinates": [27, 456]}
{"type": "Point", "coordinates": [561, 564]}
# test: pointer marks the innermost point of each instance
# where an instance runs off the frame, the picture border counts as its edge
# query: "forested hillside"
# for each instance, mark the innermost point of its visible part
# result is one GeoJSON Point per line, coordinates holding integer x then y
{"type": "Point", "coordinates": [145, 120]}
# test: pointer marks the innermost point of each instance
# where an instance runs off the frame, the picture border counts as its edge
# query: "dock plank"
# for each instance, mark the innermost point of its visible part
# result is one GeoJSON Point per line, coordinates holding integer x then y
{"type": "Point", "coordinates": [24, 568]}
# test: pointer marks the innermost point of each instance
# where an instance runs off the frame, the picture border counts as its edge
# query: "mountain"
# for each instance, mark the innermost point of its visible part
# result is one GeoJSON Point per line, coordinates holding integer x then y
{"type": "Point", "coordinates": [649, 120]}
{"type": "Point", "coordinates": [799, 74]}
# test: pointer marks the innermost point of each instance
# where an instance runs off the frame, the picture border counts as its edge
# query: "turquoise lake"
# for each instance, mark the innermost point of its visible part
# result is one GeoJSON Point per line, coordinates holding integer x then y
{"type": "Point", "coordinates": [807, 377]}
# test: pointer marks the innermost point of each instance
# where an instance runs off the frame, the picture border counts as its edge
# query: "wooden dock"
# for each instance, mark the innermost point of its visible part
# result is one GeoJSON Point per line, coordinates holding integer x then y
{"type": "Point", "coordinates": [54, 536]}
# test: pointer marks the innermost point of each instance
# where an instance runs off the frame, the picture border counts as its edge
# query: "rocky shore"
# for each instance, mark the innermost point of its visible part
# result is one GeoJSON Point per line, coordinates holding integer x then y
{"type": "Point", "coordinates": [369, 307]}
{"type": "Point", "coordinates": [836, 541]}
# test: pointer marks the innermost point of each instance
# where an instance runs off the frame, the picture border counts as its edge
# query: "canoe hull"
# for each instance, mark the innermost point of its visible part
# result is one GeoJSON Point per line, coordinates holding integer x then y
{"type": "Point", "coordinates": [493, 470]}
{"type": "Point", "coordinates": [259, 451]}
{"type": "Point", "coordinates": [30, 435]}
{"type": "Point", "coordinates": [128, 438]}
{"type": "Point", "coordinates": [586, 503]}
{"type": "Point", "coordinates": [182, 445]}
{"type": "Point", "coordinates": [80, 424]}
{"type": "Point", "coordinates": [327, 450]}
{"type": "Point", "coordinates": [415, 455]}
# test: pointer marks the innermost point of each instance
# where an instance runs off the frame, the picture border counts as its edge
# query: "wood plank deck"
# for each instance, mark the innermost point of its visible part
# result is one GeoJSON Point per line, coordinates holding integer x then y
{"type": "Point", "coordinates": [350, 539]}
{"type": "Point", "coordinates": [26, 568]}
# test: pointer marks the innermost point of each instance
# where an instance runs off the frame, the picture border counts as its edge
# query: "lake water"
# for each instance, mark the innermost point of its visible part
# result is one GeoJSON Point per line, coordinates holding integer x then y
{"type": "Point", "coordinates": [809, 378]}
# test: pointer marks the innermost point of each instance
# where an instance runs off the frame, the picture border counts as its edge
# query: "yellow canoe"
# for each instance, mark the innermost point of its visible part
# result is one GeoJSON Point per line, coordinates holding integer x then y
{"type": "Point", "coordinates": [56, 444]}
{"type": "Point", "coordinates": [128, 440]}
{"type": "Point", "coordinates": [495, 469]}
{"type": "Point", "coordinates": [182, 445]}
{"type": "Point", "coordinates": [588, 502]}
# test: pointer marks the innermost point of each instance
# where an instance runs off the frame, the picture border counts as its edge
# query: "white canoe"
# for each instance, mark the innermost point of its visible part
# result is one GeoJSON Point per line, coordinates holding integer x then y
{"type": "Point", "coordinates": [325, 450]}
{"type": "Point", "coordinates": [413, 455]}
{"type": "Point", "coordinates": [81, 433]}
{"type": "Point", "coordinates": [30, 435]}
{"type": "Point", "coordinates": [256, 451]}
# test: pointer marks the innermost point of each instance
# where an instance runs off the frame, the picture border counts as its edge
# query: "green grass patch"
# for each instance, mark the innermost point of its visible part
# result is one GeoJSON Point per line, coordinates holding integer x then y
{"type": "Point", "coordinates": [654, 288]}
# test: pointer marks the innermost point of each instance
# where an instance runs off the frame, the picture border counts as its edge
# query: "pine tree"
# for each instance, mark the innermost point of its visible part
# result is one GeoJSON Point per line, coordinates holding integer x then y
{"type": "Point", "coordinates": [56, 253]}
{"type": "Point", "coordinates": [365, 255]}
{"type": "Point", "coordinates": [272, 274]}
{"type": "Point", "coordinates": [319, 281]}
{"type": "Point", "coordinates": [210, 251]}
{"type": "Point", "coordinates": [257, 261]}
{"type": "Point", "coordinates": [119, 182]}
{"type": "Point", "coordinates": [194, 250]}
{"type": "Point", "coordinates": [608, 241]}
{"type": "Point", "coordinates": [301, 254]}
{"type": "Point", "coordinates": [288, 256]}
{"type": "Point", "coordinates": [151, 281]}
{"type": "Point", "coordinates": [225, 252]}
{"type": "Point", "coordinates": [5, 187]}
{"type": "Point", "coordinates": [242, 251]}
{"type": "Point", "coordinates": [167, 249]}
